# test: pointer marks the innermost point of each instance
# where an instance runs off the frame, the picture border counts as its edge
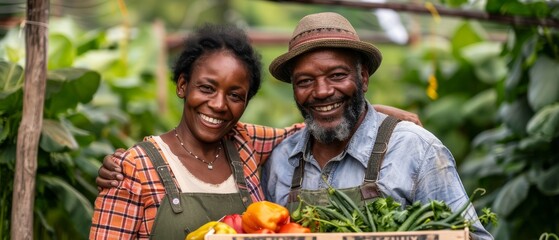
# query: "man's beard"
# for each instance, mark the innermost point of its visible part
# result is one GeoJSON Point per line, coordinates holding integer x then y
{"type": "Point", "coordinates": [343, 130]}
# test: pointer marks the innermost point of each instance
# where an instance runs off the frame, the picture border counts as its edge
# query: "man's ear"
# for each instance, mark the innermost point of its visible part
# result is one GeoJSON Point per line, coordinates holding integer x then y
{"type": "Point", "coordinates": [365, 76]}
{"type": "Point", "coordinates": [181, 86]}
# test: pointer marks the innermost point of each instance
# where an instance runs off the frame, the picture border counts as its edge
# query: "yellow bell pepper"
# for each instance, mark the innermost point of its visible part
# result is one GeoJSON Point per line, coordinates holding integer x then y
{"type": "Point", "coordinates": [214, 227]}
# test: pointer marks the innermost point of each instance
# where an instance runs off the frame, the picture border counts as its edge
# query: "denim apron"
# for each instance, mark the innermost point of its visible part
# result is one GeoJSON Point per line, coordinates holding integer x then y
{"type": "Point", "coordinates": [181, 213]}
{"type": "Point", "coordinates": [365, 192]}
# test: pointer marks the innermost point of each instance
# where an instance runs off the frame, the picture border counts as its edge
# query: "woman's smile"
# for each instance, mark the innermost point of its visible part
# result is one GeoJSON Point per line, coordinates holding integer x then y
{"type": "Point", "coordinates": [211, 120]}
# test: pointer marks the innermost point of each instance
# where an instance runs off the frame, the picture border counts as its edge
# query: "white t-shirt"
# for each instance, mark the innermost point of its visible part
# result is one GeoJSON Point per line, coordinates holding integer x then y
{"type": "Point", "coordinates": [187, 181]}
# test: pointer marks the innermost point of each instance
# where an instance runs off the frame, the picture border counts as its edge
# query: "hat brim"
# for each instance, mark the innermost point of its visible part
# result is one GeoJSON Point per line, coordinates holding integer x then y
{"type": "Point", "coordinates": [373, 57]}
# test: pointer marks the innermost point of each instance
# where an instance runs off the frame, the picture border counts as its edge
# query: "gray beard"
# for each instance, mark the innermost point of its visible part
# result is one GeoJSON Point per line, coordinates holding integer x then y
{"type": "Point", "coordinates": [342, 131]}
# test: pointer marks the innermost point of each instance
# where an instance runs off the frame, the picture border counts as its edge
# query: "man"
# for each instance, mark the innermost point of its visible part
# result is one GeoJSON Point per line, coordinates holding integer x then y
{"type": "Point", "coordinates": [329, 68]}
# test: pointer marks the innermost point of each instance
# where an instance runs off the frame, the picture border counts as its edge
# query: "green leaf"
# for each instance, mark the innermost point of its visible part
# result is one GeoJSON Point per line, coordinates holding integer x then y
{"type": "Point", "coordinates": [61, 52]}
{"type": "Point", "coordinates": [482, 107]}
{"type": "Point", "coordinates": [11, 84]}
{"type": "Point", "coordinates": [68, 87]}
{"type": "Point", "coordinates": [88, 165]}
{"type": "Point", "coordinates": [543, 88]}
{"type": "Point", "coordinates": [513, 79]}
{"type": "Point", "coordinates": [480, 166]}
{"type": "Point", "coordinates": [515, 8]}
{"type": "Point", "coordinates": [455, 3]}
{"type": "Point", "coordinates": [548, 181]}
{"type": "Point", "coordinates": [43, 220]}
{"type": "Point", "coordinates": [540, 9]}
{"type": "Point", "coordinates": [525, 8]}
{"type": "Point", "coordinates": [56, 137]}
{"type": "Point", "coordinates": [490, 71]}
{"type": "Point", "coordinates": [511, 196]}
{"type": "Point", "coordinates": [516, 115]}
{"type": "Point", "coordinates": [8, 155]}
{"type": "Point", "coordinates": [533, 143]}
{"type": "Point", "coordinates": [484, 56]}
{"type": "Point", "coordinates": [492, 136]}
{"type": "Point", "coordinates": [4, 130]}
{"type": "Point", "coordinates": [12, 46]}
{"type": "Point", "coordinates": [466, 34]}
{"type": "Point", "coordinates": [91, 41]}
{"type": "Point", "coordinates": [521, 43]}
{"type": "Point", "coordinates": [493, 6]}
{"type": "Point", "coordinates": [11, 78]}
{"type": "Point", "coordinates": [443, 111]}
{"type": "Point", "coordinates": [75, 204]}
{"type": "Point", "coordinates": [480, 51]}
{"type": "Point", "coordinates": [545, 123]}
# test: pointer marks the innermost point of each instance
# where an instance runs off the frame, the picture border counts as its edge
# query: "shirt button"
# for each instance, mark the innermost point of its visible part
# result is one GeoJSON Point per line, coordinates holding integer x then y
{"type": "Point", "coordinates": [176, 201]}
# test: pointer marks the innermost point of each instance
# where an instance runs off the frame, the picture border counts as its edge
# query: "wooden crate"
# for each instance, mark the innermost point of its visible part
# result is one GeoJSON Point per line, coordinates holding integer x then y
{"type": "Point", "coordinates": [418, 235]}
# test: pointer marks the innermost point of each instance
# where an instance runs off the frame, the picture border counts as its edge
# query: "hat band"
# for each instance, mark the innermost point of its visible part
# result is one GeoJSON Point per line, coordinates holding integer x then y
{"type": "Point", "coordinates": [322, 36]}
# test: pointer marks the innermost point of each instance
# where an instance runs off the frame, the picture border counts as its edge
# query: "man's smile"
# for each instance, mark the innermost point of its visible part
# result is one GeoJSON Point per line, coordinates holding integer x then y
{"type": "Point", "coordinates": [327, 107]}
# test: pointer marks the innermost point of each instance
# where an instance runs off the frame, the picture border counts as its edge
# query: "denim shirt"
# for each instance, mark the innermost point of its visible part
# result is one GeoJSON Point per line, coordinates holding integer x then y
{"type": "Point", "coordinates": [416, 167]}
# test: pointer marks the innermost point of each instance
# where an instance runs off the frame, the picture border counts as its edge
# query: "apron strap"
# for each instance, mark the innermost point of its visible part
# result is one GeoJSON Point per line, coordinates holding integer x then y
{"type": "Point", "coordinates": [238, 171]}
{"type": "Point", "coordinates": [296, 181]}
{"type": "Point", "coordinates": [164, 173]}
{"type": "Point", "coordinates": [380, 147]}
{"type": "Point", "coordinates": [369, 188]}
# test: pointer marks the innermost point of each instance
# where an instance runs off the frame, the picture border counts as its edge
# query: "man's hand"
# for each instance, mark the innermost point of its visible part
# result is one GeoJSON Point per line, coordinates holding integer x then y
{"type": "Point", "coordinates": [398, 113]}
{"type": "Point", "coordinates": [109, 173]}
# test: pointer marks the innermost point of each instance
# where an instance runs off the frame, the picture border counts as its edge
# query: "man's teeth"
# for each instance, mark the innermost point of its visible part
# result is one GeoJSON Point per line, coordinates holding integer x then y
{"type": "Point", "coordinates": [210, 119]}
{"type": "Point", "coordinates": [328, 108]}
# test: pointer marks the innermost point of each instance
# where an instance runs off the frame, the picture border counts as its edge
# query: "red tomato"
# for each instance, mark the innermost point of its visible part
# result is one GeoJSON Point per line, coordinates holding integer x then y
{"type": "Point", "coordinates": [235, 221]}
{"type": "Point", "coordinates": [293, 227]}
{"type": "Point", "coordinates": [264, 231]}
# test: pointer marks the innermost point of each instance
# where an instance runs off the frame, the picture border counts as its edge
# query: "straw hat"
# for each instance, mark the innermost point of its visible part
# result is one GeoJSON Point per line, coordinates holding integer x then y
{"type": "Point", "coordinates": [320, 30]}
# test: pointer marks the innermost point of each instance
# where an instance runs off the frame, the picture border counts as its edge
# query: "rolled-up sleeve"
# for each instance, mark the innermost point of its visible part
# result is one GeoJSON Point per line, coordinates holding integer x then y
{"type": "Point", "coordinates": [119, 211]}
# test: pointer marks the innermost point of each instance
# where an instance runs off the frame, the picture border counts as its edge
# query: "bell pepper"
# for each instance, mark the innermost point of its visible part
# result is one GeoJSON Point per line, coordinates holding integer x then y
{"type": "Point", "coordinates": [214, 227]}
{"type": "Point", "coordinates": [293, 227]}
{"type": "Point", "coordinates": [264, 231]}
{"type": "Point", "coordinates": [264, 215]}
{"type": "Point", "coordinates": [235, 221]}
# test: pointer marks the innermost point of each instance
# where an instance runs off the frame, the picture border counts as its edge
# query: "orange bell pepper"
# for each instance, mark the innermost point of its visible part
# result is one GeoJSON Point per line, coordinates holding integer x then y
{"type": "Point", "coordinates": [264, 215]}
{"type": "Point", "coordinates": [293, 227]}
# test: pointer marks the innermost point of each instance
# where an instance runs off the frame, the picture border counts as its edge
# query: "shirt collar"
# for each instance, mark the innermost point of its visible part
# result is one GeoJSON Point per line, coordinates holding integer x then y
{"type": "Point", "coordinates": [361, 143]}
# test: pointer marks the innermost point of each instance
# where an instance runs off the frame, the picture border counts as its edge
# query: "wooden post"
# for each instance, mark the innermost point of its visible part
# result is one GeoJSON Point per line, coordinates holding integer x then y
{"type": "Point", "coordinates": [162, 67]}
{"type": "Point", "coordinates": [36, 39]}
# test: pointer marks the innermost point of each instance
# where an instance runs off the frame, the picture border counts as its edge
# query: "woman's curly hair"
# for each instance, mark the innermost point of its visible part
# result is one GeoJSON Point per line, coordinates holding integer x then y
{"type": "Point", "coordinates": [211, 38]}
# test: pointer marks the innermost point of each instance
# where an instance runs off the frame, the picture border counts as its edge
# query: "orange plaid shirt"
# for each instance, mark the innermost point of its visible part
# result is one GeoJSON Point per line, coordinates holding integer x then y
{"type": "Point", "coordinates": [128, 211]}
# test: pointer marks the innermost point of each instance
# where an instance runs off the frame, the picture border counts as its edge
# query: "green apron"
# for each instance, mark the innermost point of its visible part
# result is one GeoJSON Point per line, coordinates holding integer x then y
{"type": "Point", "coordinates": [181, 213]}
{"type": "Point", "coordinates": [367, 191]}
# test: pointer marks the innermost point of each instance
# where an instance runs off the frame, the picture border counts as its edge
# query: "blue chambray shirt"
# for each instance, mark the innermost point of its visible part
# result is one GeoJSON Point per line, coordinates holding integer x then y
{"type": "Point", "coordinates": [416, 167]}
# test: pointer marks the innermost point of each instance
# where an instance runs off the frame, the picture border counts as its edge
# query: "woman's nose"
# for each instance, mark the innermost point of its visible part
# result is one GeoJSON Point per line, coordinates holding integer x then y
{"type": "Point", "coordinates": [217, 103]}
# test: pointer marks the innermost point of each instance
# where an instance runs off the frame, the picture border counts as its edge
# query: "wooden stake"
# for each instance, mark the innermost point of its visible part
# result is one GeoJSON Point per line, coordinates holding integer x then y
{"type": "Point", "coordinates": [36, 33]}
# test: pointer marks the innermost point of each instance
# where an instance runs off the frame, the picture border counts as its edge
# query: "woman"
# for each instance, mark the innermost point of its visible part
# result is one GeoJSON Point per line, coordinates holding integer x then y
{"type": "Point", "coordinates": [209, 161]}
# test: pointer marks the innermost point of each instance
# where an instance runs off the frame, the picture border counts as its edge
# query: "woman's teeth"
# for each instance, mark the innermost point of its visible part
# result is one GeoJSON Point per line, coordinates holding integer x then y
{"type": "Point", "coordinates": [210, 119]}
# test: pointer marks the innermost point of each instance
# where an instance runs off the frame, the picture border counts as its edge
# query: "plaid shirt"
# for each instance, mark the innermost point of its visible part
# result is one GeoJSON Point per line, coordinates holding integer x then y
{"type": "Point", "coordinates": [128, 211]}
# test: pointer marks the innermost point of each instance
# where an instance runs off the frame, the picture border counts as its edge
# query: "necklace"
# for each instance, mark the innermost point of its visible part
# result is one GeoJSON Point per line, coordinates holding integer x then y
{"type": "Point", "coordinates": [210, 164]}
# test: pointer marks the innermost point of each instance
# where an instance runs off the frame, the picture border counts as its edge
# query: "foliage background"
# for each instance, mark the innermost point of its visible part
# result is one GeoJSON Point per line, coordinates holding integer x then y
{"type": "Point", "coordinates": [489, 91]}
